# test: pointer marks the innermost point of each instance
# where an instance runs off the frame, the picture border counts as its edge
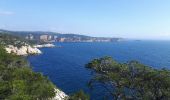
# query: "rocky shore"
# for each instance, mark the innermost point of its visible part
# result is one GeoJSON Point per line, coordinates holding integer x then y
{"type": "Point", "coordinates": [27, 49]}
{"type": "Point", "coordinates": [23, 50]}
{"type": "Point", "coordinates": [44, 46]}
{"type": "Point", "coordinates": [60, 95]}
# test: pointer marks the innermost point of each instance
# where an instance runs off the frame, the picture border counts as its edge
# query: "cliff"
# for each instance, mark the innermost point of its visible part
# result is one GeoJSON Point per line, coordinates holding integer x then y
{"type": "Point", "coordinates": [23, 50]}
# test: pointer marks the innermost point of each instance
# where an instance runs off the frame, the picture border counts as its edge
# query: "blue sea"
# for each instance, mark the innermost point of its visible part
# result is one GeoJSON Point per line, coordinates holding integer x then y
{"type": "Point", "coordinates": [65, 64]}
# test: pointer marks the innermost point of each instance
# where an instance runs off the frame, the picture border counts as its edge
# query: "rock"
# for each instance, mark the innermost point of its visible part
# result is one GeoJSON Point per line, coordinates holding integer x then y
{"type": "Point", "coordinates": [60, 95]}
{"type": "Point", "coordinates": [23, 50]}
{"type": "Point", "coordinates": [33, 50]}
{"type": "Point", "coordinates": [44, 45]}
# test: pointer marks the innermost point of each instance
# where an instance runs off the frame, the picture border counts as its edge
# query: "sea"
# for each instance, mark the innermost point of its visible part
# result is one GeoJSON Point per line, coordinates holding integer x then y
{"type": "Point", "coordinates": [64, 64]}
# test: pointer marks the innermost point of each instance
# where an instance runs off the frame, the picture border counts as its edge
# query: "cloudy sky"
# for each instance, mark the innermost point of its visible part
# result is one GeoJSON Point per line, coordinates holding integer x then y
{"type": "Point", "coordinates": [140, 19]}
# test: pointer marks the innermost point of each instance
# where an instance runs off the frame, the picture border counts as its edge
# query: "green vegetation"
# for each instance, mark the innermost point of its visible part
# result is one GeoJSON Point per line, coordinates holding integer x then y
{"type": "Point", "coordinates": [7, 39]}
{"type": "Point", "coordinates": [80, 95]}
{"type": "Point", "coordinates": [131, 80]}
{"type": "Point", "coordinates": [19, 82]}
{"type": "Point", "coordinates": [10, 39]}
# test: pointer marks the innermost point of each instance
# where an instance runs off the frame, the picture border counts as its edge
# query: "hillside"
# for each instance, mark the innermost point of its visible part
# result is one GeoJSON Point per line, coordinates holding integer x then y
{"type": "Point", "coordinates": [8, 39]}
{"type": "Point", "coordinates": [45, 36]}
{"type": "Point", "coordinates": [18, 81]}
{"type": "Point", "coordinates": [25, 33]}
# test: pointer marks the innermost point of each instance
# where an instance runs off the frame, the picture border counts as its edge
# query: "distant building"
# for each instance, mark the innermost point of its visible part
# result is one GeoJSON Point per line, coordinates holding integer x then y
{"type": "Point", "coordinates": [49, 37]}
{"type": "Point", "coordinates": [30, 37]}
{"type": "Point", "coordinates": [44, 37]}
{"type": "Point", "coordinates": [61, 39]}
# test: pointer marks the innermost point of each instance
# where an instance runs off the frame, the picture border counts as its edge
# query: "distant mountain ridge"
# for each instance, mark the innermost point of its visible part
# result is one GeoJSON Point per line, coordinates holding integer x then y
{"type": "Point", "coordinates": [47, 36]}
{"type": "Point", "coordinates": [41, 33]}
{"type": "Point", "coordinates": [49, 33]}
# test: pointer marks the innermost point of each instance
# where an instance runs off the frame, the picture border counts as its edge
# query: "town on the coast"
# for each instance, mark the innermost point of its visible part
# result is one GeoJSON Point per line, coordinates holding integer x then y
{"type": "Point", "coordinates": [46, 37]}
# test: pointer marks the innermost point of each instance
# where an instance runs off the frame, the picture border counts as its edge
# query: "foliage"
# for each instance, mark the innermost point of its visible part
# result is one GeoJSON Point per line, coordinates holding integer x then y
{"type": "Point", "coordinates": [131, 80]}
{"type": "Point", "coordinates": [19, 82]}
{"type": "Point", "coordinates": [80, 95]}
{"type": "Point", "coordinates": [11, 39]}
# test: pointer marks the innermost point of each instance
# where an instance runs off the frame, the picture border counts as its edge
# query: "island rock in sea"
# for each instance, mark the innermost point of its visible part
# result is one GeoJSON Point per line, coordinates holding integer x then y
{"type": "Point", "coordinates": [23, 50]}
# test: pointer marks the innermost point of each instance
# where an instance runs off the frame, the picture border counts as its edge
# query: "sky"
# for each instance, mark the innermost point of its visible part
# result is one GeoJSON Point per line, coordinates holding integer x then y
{"type": "Point", "coordinates": [136, 19]}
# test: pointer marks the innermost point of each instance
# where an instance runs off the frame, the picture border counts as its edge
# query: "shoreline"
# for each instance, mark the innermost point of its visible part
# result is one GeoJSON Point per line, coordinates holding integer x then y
{"type": "Point", "coordinates": [34, 50]}
{"type": "Point", "coordinates": [27, 49]}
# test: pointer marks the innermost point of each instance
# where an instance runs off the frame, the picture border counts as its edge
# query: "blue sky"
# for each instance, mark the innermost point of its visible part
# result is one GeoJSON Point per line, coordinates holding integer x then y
{"type": "Point", "coordinates": [141, 19]}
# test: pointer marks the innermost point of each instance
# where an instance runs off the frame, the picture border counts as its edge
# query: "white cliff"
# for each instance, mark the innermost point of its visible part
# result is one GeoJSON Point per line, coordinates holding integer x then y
{"type": "Point", "coordinates": [23, 50]}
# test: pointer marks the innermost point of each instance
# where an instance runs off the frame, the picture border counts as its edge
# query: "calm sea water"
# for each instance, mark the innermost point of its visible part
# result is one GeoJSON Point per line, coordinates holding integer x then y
{"type": "Point", "coordinates": [65, 66]}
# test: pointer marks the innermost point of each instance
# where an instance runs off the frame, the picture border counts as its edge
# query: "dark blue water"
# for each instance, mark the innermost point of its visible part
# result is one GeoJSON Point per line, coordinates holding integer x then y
{"type": "Point", "coordinates": [65, 66]}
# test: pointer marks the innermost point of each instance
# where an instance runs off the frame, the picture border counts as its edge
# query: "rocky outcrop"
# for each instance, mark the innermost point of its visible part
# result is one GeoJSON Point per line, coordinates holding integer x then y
{"type": "Point", "coordinates": [60, 95]}
{"type": "Point", "coordinates": [23, 50]}
{"type": "Point", "coordinates": [44, 45]}
{"type": "Point", "coordinates": [26, 49]}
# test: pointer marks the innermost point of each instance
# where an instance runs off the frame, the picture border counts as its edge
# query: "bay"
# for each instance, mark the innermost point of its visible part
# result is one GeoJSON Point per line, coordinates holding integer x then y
{"type": "Point", "coordinates": [65, 65]}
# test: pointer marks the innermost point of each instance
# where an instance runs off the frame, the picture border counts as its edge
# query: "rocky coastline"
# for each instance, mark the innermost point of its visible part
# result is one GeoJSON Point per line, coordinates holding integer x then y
{"type": "Point", "coordinates": [44, 46]}
{"type": "Point", "coordinates": [31, 50]}
{"type": "Point", "coordinates": [23, 50]}
{"type": "Point", "coordinates": [60, 95]}
{"type": "Point", "coordinates": [27, 49]}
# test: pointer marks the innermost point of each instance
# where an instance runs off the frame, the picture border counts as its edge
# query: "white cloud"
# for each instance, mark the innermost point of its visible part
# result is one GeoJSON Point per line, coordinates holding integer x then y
{"type": "Point", "coordinates": [6, 13]}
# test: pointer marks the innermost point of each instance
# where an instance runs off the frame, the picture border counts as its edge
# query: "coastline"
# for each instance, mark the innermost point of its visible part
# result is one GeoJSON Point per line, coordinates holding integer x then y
{"type": "Point", "coordinates": [34, 50]}
{"type": "Point", "coordinates": [48, 45]}
{"type": "Point", "coordinates": [27, 49]}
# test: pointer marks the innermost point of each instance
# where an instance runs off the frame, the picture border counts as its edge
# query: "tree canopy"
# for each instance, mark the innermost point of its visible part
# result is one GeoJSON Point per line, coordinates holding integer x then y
{"type": "Point", "coordinates": [19, 82]}
{"type": "Point", "coordinates": [131, 80]}
{"type": "Point", "coordinates": [80, 95]}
